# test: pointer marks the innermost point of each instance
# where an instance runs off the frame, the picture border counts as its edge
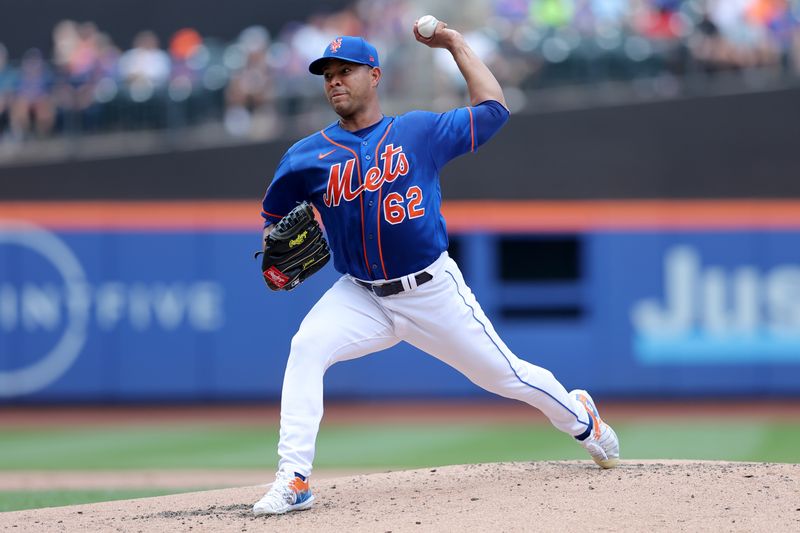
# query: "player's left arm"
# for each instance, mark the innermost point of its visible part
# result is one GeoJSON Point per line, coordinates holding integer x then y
{"type": "Point", "coordinates": [481, 83]}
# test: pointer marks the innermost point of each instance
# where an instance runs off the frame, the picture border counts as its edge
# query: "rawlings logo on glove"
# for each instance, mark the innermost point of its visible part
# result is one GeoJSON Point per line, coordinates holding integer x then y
{"type": "Point", "coordinates": [299, 240]}
{"type": "Point", "coordinates": [294, 250]}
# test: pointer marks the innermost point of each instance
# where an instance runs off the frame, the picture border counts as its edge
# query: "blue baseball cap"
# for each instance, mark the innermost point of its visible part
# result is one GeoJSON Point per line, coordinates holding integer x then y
{"type": "Point", "coordinates": [346, 48]}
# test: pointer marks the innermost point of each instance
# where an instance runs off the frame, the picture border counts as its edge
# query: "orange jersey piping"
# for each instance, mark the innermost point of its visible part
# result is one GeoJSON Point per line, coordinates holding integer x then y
{"type": "Point", "coordinates": [361, 197]}
{"type": "Point", "coordinates": [380, 195]}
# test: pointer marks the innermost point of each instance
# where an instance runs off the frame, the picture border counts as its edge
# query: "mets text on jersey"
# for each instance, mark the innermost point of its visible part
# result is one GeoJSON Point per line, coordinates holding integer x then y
{"type": "Point", "coordinates": [340, 183]}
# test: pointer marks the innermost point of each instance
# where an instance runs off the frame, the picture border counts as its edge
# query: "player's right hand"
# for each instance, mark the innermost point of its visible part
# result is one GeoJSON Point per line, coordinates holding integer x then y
{"type": "Point", "coordinates": [442, 37]}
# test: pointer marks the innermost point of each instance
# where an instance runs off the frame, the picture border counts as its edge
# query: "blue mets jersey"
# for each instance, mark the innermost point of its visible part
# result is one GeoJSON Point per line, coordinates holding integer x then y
{"type": "Point", "coordinates": [377, 189]}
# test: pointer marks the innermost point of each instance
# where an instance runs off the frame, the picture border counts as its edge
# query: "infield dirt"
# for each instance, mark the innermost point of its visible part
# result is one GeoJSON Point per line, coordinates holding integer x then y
{"type": "Point", "coordinates": [537, 496]}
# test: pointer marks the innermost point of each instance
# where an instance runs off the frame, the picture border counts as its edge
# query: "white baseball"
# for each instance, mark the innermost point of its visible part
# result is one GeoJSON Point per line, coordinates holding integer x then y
{"type": "Point", "coordinates": [426, 25]}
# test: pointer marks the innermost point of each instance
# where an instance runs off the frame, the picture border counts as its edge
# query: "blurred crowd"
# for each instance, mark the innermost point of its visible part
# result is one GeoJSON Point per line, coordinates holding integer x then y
{"type": "Point", "coordinates": [88, 83]}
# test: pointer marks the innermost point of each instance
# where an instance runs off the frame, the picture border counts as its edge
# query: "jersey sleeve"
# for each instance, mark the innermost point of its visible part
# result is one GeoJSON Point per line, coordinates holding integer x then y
{"type": "Point", "coordinates": [284, 192]}
{"type": "Point", "coordinates": [463, 130]}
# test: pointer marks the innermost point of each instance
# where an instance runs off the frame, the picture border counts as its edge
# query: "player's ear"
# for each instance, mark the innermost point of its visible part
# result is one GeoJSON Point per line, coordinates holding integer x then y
{"type": "Point", "coordinates": [375, 75]}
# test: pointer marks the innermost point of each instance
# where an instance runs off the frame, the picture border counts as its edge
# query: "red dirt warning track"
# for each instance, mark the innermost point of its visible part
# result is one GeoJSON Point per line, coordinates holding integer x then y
{"type": "Point", "coordinates": [411, 412]}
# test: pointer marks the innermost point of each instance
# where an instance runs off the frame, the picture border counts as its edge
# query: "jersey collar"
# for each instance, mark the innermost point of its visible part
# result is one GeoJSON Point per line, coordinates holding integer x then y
{"type": "Point", "coordinates": [378, 126]}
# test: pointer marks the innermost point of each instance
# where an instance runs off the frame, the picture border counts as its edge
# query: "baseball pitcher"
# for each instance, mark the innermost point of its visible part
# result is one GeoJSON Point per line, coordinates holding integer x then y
{"type": "Point", "coordinates": [375, 181]}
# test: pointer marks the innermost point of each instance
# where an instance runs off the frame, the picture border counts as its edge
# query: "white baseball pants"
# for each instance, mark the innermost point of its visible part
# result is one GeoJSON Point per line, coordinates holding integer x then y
{"type": "Point", "coordinates": [441, 317]}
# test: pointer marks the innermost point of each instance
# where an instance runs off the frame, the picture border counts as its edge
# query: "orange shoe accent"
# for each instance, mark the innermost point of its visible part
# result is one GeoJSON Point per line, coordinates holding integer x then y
{"type": "Point", "coordinates": [298, 485]}
{"type": "Point", "coordinates": [595, 419]}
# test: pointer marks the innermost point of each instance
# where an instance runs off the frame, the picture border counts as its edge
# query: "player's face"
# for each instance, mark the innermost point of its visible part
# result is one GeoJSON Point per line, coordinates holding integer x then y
{"type": "Point", "coordinates": [349, 87]}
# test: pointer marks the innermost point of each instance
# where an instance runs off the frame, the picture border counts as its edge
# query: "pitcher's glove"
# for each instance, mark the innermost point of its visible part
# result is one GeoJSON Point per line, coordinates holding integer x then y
{"type": "Point", "coordinates": [294, 249]}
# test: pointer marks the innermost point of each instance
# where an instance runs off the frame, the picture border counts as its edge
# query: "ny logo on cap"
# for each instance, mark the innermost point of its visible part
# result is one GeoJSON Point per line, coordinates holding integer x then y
{"type": "Point", "coordinates": [336, 44]}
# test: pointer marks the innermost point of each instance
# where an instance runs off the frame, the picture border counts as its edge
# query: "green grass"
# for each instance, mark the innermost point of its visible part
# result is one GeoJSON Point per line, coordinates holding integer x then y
{"type": "Point", "coordinates": [21, 500]}
{"type": "Point", "coordinates": [132, 447]}
{"type": "Point", "coordinates": [378, 446]}
{"type": "Point", "coordinates": [361, 446]}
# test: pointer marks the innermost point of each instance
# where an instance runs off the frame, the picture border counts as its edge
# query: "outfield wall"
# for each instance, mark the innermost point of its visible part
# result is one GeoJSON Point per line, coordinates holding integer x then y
{"type": "Point", "coordinates": [164, 301]}
{"type": "Point", "coordinates": [737, 146]}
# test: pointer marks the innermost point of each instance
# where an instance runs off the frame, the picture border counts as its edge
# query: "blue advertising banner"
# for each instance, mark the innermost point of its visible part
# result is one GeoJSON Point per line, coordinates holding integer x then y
{"type": "Point", "coordinates": [163, 316]}
{"type": "Point", "coordinates": [182, 315]}
{"type": "Point", "coordinates": [700, 312]}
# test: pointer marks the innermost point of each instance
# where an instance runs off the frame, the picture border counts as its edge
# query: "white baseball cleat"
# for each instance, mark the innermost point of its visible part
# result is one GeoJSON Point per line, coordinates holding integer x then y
{"type": "Point", "coordinates": [600, 441]}
{"type": "Point", "coordinates": [290, 492]}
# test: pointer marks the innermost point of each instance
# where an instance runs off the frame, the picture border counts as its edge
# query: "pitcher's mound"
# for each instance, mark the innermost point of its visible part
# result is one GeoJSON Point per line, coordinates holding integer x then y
{"type": "Point", "coordinates": [541, 496]}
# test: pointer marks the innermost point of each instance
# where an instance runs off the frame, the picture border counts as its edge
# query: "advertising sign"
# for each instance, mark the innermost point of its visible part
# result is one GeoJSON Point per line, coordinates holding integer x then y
{"type": "Point", "coordinates": [156, 311]}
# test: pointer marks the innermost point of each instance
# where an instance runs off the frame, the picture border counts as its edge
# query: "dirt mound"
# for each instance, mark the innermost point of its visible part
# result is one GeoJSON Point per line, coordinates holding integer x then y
{"type": "Point", "coordinates": [541, 496]}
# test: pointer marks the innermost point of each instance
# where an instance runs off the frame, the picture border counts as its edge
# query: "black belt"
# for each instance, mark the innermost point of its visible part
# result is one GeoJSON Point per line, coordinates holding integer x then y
{"type": "Point", "coordinates": [393, 287]}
